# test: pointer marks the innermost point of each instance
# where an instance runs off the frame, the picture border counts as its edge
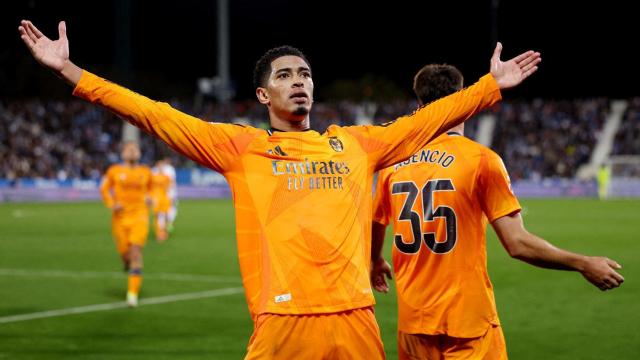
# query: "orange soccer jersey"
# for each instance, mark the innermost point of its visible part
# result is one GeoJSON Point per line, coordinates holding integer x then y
{"type": "Point", "coordinates": [439, 201]}
{"type": "Point", "coordinates": [302, 199]}
{"type": "Point", "coordinates": [129, 187]}
{"type": "Point", "coordinates": [160, 184]}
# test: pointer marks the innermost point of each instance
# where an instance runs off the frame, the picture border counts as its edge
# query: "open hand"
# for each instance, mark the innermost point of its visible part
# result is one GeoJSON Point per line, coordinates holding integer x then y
{"type": "Point", "coordinates": [50, 53]}
{"type": "Point", "coordinates": [511, 73]}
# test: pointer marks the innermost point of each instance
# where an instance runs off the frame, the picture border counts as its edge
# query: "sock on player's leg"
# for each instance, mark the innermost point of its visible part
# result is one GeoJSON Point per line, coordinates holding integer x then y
{"type": "Point", "coordinates": [133, 288]}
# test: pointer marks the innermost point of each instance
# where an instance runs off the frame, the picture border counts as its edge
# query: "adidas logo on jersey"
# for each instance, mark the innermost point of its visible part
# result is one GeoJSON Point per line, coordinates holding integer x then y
{"type": "Point", "coordinates": [277, 150]}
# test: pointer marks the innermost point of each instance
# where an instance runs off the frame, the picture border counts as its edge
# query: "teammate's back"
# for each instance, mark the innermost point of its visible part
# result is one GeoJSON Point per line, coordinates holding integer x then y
{"type": "Point", "coordinates": [440, 201]}
{"type": "Point", "coordinates": [439, 198]}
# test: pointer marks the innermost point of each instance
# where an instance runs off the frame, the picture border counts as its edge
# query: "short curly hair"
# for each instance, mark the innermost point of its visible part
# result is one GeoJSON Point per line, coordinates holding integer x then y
{"type": "Point", "coordinates": [435, 81]}
{"type": "Point", "coordinates": [263, 66]}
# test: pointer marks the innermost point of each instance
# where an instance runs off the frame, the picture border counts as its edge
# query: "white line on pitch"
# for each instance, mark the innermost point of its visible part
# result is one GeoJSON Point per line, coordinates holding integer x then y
{"type": "Point", "coordinates": [120, 305]}
{"type": "Point", "coordinates": [117, 275]}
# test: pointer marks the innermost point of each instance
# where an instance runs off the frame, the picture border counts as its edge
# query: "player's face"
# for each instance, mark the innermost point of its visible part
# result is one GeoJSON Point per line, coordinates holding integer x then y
{"type": "Point", "coordinates": [289, 90]}
{"type": "Point", "coordinates": [130, 152]}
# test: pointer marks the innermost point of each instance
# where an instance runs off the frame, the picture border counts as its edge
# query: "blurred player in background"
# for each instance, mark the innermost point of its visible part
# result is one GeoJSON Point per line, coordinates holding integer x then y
{"type": "Point", "coordinates": [302, 199]}
{"type": "Point", "coordinates": [603, 179]}
{"type": "Point", "coordinates": [125, 189]}
{"type": "Point", "coordinates": [439, 201]}
{"type": "Point", "coordinates": [168, 170]}
{"type": "Point", "coordinates": [161, 184]}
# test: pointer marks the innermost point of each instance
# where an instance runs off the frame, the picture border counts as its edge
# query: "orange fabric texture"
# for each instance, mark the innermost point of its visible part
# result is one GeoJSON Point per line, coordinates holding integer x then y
{"type": "Point", "coordinates": [160, 184]}
{"type": "Point", "coordinates": [489, 346]}
{"type": "Point", "coordinates": [439, 201]}
{"type": "Point", "coordinates": [351, 334]}
{"type": "Point", "coordinates": [302, 199]}
{"type": "Point", "coordinates": [127, 232]}
{"type": "Point", "coordinates": [127, 186]}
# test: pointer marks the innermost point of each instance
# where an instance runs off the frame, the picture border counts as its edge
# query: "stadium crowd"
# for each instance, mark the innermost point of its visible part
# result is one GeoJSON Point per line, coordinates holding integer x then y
{"type": "Point", "coordinates": [545, 139]}
{"type": "Point", "coordinates": [72, 139]}
{"type": "Point", "coordinates": [56, 139]}
{"type": "Point", "coordinates": [627, 141]}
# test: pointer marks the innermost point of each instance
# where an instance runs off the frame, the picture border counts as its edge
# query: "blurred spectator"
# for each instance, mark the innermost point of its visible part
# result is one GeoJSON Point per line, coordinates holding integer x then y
{"type": "Point", "coordinates": [54, 139]}
{"type": "Point", "coordinates": [546, 139]}
{"type": "Point", "coordinates": [627, 141]}
{"type": "Point", "coordinates": [73, 140]}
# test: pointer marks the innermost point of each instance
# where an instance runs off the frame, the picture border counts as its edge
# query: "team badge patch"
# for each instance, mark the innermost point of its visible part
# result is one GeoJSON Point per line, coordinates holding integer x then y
{"type": "Point", "coordinates": [336, 144]}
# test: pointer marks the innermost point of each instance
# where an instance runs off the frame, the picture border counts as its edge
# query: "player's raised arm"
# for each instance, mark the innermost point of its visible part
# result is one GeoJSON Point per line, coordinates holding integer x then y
{"type": "Point", "coordinates": [396, 141]}
{"type": "Point", "coordinates": [208, 144]}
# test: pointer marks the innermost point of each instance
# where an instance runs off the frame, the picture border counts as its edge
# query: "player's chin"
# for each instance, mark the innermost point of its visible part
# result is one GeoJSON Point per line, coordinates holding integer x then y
{"type": "Point", "coordinates": [301, 111]}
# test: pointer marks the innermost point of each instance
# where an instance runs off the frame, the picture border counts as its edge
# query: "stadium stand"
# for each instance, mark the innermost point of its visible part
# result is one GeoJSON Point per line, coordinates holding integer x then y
{"type": "Point", "coordinates": [627, 140]}
{"type": "Point", "coordinates": [56, 140]}
{"type": "Point", "coordinates": [537, 139]}
{"type": "Point", "coordinates": [547, 139]}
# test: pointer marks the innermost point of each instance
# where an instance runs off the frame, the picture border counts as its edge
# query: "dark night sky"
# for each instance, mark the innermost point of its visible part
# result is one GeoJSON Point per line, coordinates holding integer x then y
{"type": "Point", "coordinates": [587, 50]}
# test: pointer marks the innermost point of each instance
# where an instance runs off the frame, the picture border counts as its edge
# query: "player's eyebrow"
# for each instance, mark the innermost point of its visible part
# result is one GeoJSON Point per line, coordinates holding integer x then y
{"type": "Point", "coordinates": [290, 70]}
{"type": "Point", "coordinates": [284, 70]}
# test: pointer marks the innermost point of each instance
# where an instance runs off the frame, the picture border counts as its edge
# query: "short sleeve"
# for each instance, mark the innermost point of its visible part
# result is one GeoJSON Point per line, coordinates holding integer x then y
{"type": "Point", "coordinates": [494, 186]}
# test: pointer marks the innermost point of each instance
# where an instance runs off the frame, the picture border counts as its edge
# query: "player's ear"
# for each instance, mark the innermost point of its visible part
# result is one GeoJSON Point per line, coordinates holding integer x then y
{"type": "Point", "coordinates": [262, 95]}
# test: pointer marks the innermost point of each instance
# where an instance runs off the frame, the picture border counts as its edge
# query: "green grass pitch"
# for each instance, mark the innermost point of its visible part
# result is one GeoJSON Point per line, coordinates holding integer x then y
{"type": "Point", "coordinates": [61, 256]}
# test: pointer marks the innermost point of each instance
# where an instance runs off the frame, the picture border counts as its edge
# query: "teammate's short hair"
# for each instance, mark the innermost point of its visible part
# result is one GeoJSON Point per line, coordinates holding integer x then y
{"type": "Point", "coordinates": [126, 143]}
{"type": "Point", "coordinates": [435, 81]}
{"type": "Point", "coordinates": [263, 66]}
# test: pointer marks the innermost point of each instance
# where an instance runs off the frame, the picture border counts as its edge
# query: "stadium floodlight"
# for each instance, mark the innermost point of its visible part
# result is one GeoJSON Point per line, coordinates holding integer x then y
{"type": "Point", "coordinates": [216, 87]}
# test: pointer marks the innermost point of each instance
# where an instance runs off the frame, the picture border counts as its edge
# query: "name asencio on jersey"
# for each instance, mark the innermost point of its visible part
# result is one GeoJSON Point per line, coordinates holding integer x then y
{"type": "Point", "coordinates": [428, 156]}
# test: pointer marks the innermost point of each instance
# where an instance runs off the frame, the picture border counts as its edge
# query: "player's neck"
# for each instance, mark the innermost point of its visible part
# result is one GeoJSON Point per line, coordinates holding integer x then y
{"type": "Point", "coordinates": [458, 130]}
{"type": "Point", "coordinates": [289, 125]}
{"type": "Point", "coordinates": [130, 163]}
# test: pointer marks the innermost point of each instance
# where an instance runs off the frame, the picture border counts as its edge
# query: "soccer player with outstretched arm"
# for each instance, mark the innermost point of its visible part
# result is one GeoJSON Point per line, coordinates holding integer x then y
{"type": "Point", "coordinates": [302, 199]}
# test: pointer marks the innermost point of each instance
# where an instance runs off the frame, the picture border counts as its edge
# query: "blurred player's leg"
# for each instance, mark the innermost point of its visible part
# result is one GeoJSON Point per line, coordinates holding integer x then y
{"type": "Point", "coordinates": [161, 226]}
{"type": "Point", "coordinates": [135, 275]}
{"type": "Point", "coordinates": [171, 216]}
{"type": "Point", "coordinates": [137, 237]}
{"type": "Point", "coordinates": [120, 237]}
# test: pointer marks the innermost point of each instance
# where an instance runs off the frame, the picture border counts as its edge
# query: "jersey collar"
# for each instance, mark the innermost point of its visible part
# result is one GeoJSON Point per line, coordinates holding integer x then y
{"type": "Point", "coordinates": [272, 130]}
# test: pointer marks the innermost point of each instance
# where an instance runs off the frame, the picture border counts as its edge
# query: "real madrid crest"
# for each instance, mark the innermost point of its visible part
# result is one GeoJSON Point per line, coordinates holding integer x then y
{"type": "Point", "coordinates": [336, 144]}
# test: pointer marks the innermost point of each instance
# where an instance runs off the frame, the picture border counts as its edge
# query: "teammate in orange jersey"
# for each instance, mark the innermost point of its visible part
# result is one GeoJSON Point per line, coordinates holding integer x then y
{"type": "Point", "coordinates": [160, 184]}
{"type": "Point", "coordinates": [125, 190]}
{"type": "Point", "coordinates": [439, 201]}
{"type": "Point", "coordinates": [302, 204]}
